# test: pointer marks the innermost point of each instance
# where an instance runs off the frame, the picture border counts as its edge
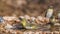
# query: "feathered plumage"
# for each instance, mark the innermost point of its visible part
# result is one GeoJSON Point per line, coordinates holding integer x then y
{"type": "Point", "coordinates": [28, 25]}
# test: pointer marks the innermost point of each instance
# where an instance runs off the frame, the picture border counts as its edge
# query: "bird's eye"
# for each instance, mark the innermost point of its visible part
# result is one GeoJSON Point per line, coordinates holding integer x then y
{"type": "Point", "coordinates": [20, 18]}
{"type": "Point", "coordinates": [28, 20]}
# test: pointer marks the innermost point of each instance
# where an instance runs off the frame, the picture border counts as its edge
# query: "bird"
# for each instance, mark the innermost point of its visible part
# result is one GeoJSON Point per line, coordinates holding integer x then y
{"type": "Point", "coordinates": [28, 25]}
{"type": "Point", "coordinates": [1, 19]}
{"type": "Point", "coordinates": [49, 12]}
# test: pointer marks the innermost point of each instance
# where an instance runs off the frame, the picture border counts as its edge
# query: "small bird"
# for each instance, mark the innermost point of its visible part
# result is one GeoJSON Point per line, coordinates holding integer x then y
{"type": "Point", "coordinates": [49, 12]}
{"type": "Point", "coordinates": [1, 19]}
{"type": "Point", "coordinates": [28, 25]}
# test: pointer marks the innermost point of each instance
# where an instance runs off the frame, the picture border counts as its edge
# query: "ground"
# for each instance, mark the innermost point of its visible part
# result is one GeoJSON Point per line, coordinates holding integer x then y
{"type": "Point", "coordinates": [31, 8]}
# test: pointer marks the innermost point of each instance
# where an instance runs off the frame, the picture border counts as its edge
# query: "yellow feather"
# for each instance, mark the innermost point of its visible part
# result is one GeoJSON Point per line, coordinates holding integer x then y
{"type": "Point", "coordinates": [24, 22]}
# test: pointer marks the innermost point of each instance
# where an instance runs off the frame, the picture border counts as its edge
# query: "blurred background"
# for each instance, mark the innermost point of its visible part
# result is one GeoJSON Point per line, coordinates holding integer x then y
{"type": "Point", "coordinates": [29, 7]}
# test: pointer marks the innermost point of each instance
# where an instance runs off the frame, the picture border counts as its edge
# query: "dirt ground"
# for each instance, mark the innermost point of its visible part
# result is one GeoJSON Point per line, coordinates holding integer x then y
{"type": "Point", "coordinates": [29, 7]}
